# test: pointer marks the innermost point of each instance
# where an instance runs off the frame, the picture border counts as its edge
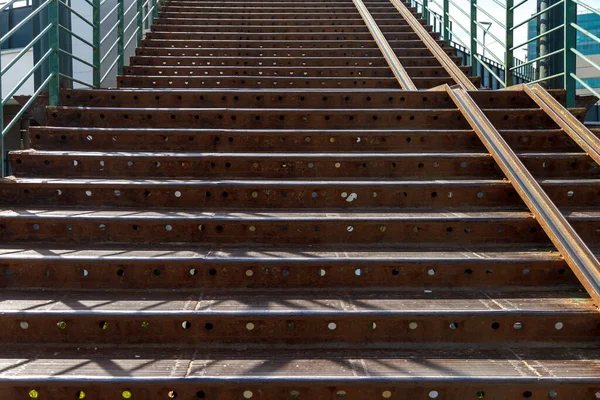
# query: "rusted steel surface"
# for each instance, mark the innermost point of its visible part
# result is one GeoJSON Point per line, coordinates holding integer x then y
{"type": "Point", "coordinates": [226, 29]}
{"type": "Point", "coordinates": [286, 98]}
{"type": "Point", "coordinates": [293, 165]}
{"type": "Point", "coordinates": [288, 140]}
{"type": "Point", "coordinates": [114, 267]}
{"type": "Point", "coordinates": [312, 72]}
{"type": "Point", "coordinates": [290, 194]}
{"type": "Point", "coordinates": [320, 374]}
{"type": "Point", "coordinates": [285, 36]}
{"type": "Point", "coordinates": [290, 118]}
{"type": "Point", "coordinates": [277, 52]}
{"type": "Point", "coordinates": [259, 211]}
{"type": "Point", "coordinates": [278, 227]}
{"type": "Point", "coordinates": [297, 317]}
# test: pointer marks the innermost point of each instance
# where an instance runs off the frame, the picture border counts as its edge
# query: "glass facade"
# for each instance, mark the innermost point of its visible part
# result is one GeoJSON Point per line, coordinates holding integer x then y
{"type": "Point", "coordinates": [586, 45]}
{"type": "Point", "coordinates": [591, 23]}
{"type": "Point", "coordinates": [532, 32]}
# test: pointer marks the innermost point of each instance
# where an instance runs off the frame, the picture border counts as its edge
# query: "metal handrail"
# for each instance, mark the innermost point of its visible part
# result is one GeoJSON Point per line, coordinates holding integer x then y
{"type": "Point", "coordinates": [51, 30]}
{"type": "Point", "coordinates": [443, 58]}
{"type": "Point", "coordinates": [572, 248]}
{"type": "Point", "coordinates": [537, 14]}
{"type": "Point", "coordinates": [561, 74]}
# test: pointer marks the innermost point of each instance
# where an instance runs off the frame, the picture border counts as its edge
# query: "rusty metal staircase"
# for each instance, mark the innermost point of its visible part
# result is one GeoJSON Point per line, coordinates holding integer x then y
{"type": "Point", "coordinates": [261, 210]}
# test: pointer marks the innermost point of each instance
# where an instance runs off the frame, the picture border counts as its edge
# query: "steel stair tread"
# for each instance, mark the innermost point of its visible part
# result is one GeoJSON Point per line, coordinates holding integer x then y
{"type": "Point", "coordinates": [274, 253]}
{"type": "Point", "coordinates": [243, 365]}
{"type": "Point", "coordinates": [416, 131]}
{"type": "Point", "coordinates": [286, 155]}
{"type": "Point", "coordinates": [176, 182]}
{"type": "Point", "coordinates": [273, 109]}
{"type": "Point", "coordinates": [267, 215]}
{"type": "Point", "coordinates": [316, 182]}
{"type": "Point", "coordinates": [301, 302]}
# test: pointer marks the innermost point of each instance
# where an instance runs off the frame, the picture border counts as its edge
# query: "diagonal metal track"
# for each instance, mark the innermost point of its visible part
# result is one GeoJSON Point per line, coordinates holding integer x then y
{"type": "Point", "coordinates": [589, 142]}
{"type": "Point", "coordinates": [399, 72]}
{"type": "Point", "coordinates": [570, 245]}
{"type": "Point", "coordinates": [577, 254]}
{"type": "Point", "coordinates": [459, 77]}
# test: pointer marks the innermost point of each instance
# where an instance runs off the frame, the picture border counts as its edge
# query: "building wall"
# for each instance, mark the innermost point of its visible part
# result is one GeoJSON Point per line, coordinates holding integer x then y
{"type": "Point", "coordinates": [588, 74]}
{"type": "Point", "coordinates": [17, 72]}
{"type": "Point", "coordinates": [82, 50]}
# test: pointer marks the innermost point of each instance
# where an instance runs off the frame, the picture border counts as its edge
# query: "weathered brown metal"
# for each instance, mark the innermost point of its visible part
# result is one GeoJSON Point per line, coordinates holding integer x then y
{"type": "Point", "coordinates": [137, 267]}
{"type": "Point", "coordinates": [303, 118]}
{"type": "Point", "coordinates": [438, 165]}
{"type": "Point", "coordinates": [204, 372]}
{"type": "Point", "coordinates": [161, 242]}
{"type": "Point", "coordinates": [287, 98]}
{"type": "Point", "coordinates": [278, 227]}
{"type": "Point", "coordinates": [334, 194]}
{"type": "Point", "coordinates": [289, 140]}
{"type": "Point", "coordinates": [285, 29]}
{"type": "Point", "coordinates": [269, 52]}
{"type": "Point", "coordinates": [409, 317]}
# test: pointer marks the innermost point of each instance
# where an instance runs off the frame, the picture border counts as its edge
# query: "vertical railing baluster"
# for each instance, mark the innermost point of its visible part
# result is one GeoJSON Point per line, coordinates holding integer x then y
{"type": "Point", "coordinates": [446, 21]}
{"type": "Point", "coordinates": [121, 37]}
{"type": "Point", "coordinates": [508, 52]}
{"type": "Point", "coordinates": [97, 53]}
{"type": "Point", "coordinates": [570, 59]}
{"type": "Point", "coordinates": [473, 30]}
{"type": "Point", "coordinates": [140, 22]}
{"type": "Point", "coordinates": [1, 125]}
{"type": "Point", "coordinates": [425, 11]}
{"type": "Point", "coordinates": [54, 58]}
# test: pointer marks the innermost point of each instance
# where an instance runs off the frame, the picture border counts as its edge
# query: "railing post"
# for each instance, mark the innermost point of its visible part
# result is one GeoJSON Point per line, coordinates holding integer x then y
{"type": "Point", "coordinates": [120, 37]}
{"type": "Point", "coordinates": [54, 58]}
{"type": "Point", "coordinates": [446, 21]}
{"type": "Point", "coordinates": [474, 31]}
{"type": "Point", "coordinates": [570, 59]}
{"type": "Point", "coordinates": [96, 42]}
{"type": "Point", "coordinates": [1, 126]}
{"type": "Point", "coordinates": [508, 53]}
{"type": "Point", "coordinates": [140, 22]}
{"type": "Point", "coordinates": [154, 9]}
{"type": "Point", "coordinates": [425, 11]}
